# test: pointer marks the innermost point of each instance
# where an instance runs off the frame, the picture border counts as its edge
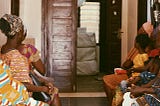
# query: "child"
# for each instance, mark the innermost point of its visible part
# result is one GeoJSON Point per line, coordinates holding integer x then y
{"type": "Point", "coordinates": [142, 42]}
{"type": "Point", "coordinates": [151, 70]}
{"type": "Point", "coordinates": [147, 73]}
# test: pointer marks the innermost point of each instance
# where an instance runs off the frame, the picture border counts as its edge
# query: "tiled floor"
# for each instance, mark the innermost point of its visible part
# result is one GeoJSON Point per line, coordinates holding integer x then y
{"type": "Point", "coordinates": [90, 92]}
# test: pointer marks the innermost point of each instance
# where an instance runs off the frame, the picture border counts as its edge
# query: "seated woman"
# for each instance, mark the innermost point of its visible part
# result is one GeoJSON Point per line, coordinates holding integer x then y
{"type": "Point", "coordinates": [14, 92]}
{"type": "Point", "coordinates": [12, 26]}
{"type": "Point", "coordinates": [150, 71]}
{"type": "Point", "coordinates": [142, 41]}
{"type": "Point", "coordinates": [146, 95]}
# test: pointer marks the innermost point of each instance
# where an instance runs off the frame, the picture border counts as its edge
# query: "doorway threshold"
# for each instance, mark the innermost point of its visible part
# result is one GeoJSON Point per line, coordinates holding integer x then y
{"type": "Point", "coordinates": [83, 94]}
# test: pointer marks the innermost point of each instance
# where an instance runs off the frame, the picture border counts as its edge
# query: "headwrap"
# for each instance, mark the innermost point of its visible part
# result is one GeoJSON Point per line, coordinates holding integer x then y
{"type": "Point", "coordinates": [15, 23]}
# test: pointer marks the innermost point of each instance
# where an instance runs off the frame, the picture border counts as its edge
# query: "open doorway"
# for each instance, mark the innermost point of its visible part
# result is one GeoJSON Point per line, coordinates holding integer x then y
{"type": "Point", "coordinates": [103, 21]}
{"type": "Point", "coordinates": [88, 47]}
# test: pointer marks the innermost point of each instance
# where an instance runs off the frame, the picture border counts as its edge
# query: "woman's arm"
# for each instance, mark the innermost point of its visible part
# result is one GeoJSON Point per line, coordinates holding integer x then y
{"type": "Point", "coordinates": [144, 68]}
{"type": "Point", "coordinates": [39, 66]}
{"type": "Point", "coordinates": [34, 88]}
{"type": "Point", "coordinates": [44, 81]}
{"type": "Point", "coordinates": [138, 91]}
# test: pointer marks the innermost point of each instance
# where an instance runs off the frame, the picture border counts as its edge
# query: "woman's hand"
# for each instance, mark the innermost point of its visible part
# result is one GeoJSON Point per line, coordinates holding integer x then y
{"type": "Point", "coordinates": [130, 71]}
{"type": "Point", "coordinates": [136, 91]}
{"type": "Point", "coordinates": [50, 87]}
{"type": "Point", "coordinates": [46, 88]}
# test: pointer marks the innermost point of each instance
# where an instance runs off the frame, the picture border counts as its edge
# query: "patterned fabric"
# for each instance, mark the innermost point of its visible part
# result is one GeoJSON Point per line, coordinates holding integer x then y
{"type": "Point", "coordinates": [128, 101]}
{"type": "Point", "coordinates": [19, 67]}
{"type": "Point", "coordinates": [32, 55]}
{"type": "Point", "coordinates": [118, 97]}
{"type": "Point", "coordinates": [132, 53]}
{"type": "Point", "coordinates": [109, 82]}
{"type": "Point", "coordinates": [156, 87]}
{"type": "Point", "coordinates": [151, 100]}
{"type": "Point", "coordinates": [146, 77]}
{"type": "Point", "coordinates": [154, 52]}
{"type": "Point", "coordinates": [15, 23]}
{"type": "Point", "coordinates": [30, 52]}
{"type": "Point", "coordinates": [12, 92]}
{"type": "Point", "coordinates": [146, 99]}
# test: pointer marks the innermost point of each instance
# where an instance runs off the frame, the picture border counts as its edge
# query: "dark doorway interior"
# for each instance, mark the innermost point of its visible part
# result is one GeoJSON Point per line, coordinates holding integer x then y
{"type": "Point", "coordinates": [110, 35]}
{"type": "Point", "coordinates": [15, 7]}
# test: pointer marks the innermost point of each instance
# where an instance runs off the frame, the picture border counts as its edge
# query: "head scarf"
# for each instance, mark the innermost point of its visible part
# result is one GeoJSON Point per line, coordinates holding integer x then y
{"type": "Point", "coordinates": [15, 23]}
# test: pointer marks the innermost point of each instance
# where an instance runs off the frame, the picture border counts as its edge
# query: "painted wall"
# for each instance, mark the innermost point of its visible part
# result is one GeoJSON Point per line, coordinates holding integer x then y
{"type": "Point", "coordinates": [30, 12]}
{"type": "Point", "coordinates": [129, 26]}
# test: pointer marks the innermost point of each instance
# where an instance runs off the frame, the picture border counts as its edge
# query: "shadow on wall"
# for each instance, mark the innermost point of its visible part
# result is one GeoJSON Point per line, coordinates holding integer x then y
{"type": "Point", "coordinates": [3, 39]}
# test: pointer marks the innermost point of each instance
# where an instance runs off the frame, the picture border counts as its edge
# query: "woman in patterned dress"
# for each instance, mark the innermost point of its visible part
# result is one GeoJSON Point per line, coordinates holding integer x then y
{"type": "Point", "coordinates": [23, 57]}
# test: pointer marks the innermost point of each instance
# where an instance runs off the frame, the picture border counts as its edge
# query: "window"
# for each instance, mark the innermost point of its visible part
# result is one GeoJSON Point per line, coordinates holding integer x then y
{"type": "Point", "coordinates": [90, 17]}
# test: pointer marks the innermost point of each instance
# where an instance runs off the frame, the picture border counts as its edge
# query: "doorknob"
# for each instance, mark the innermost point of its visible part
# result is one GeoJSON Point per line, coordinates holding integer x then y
{"type": "Point", "coordinates": [118, 33]}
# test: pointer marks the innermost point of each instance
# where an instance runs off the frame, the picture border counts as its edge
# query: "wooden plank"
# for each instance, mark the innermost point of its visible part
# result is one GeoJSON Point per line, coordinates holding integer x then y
{"type": "Point", "coordinates": [62, 47]}
{"type": "Point", "coordinates": [62, 21]}
{"type": "Point", "coordinates": [62, 65]}
{"type": "Point", "coordinates": [62, 56]}
{"type": "Point", "coordinates": [65, 30]}
{"type": "Point", "coordinates": [61, 0]}
{"type": "Point", "coordinates": [60, 3]}
{"type": "Point", "coordinates": [62, 11]}
{"type": "Point", "coordinates": [61, 38]}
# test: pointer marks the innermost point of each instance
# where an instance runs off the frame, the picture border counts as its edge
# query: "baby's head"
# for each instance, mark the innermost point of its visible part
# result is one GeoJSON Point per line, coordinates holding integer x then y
{"type": "Point", "coordinates": [142, 41]}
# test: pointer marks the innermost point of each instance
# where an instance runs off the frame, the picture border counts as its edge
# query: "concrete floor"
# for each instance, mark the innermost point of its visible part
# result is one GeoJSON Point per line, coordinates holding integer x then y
{"type": "Point", "coordinates": [89, 83]}
{"type": "Point", "coordinates": [84, 101]}
{"type": "Point", "coordinates": [90, 92]}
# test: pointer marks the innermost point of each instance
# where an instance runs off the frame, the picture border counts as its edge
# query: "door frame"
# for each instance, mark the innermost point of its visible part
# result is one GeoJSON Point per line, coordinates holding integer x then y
{"type": "Point", "coordinates": [129, 26]}
{"type": "Point", "coordinates": [15, 7]}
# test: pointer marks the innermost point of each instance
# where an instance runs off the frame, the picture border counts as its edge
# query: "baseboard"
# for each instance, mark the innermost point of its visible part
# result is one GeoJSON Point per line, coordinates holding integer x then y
{"type": "Point", "coordinates": [83, 94]}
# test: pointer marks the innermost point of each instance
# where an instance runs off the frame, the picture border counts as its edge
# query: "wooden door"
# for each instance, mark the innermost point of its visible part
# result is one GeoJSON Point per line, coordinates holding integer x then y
{"type": "Point", "coordinates": [110, 35]}
{"type": "Point", "coordinates": [59, 41]}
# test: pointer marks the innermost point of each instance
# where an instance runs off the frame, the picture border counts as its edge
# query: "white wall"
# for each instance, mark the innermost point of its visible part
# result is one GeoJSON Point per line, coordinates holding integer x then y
{"type": "Point", "coordinates": [129, 26]}
{"type": "Point", "coordinates": [30, 12]}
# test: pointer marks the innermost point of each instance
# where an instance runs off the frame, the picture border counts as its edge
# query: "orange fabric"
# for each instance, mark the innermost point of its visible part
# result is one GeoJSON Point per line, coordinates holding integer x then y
{"type": "Point", "coordinates": [113, 80]}
{"type": "Point", "coordinates": [132, 53]}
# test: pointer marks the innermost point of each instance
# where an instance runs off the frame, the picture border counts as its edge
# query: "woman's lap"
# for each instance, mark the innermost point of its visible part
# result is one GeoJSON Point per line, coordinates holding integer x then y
{"type": "Point", "coordinates": [113, 80]}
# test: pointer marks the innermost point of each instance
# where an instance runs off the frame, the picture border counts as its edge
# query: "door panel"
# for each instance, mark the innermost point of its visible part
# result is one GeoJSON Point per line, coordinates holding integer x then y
{"type": "Point", "coordinates": [110, 35]}
{"type": "Point", "coordinates": [59, 41]}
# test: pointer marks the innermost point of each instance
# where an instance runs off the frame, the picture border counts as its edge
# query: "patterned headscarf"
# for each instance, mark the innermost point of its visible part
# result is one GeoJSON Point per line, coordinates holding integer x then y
{"type": "Point", "coordinates": [15, 23]}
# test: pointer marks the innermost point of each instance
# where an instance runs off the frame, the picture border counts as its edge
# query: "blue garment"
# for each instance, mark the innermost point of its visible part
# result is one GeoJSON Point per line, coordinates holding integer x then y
{"type": "Point", "coordinates": [146, 76]}
{"type": "Point", "coordinates": [154, 101]}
